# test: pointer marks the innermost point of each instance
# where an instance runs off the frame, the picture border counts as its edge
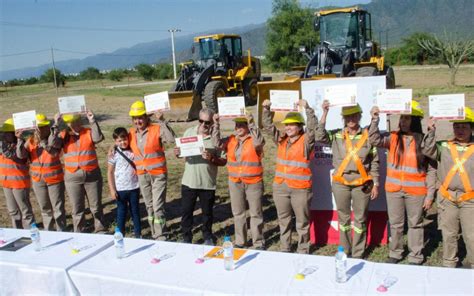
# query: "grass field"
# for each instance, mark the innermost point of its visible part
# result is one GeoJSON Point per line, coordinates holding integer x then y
{"type": "Point", "coordinates": [111, 108]}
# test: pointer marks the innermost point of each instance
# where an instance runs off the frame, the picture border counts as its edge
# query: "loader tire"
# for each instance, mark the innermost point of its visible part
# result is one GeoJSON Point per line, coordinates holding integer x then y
{"type": "Point", "coordinates": [366, 71]}
{"type": "Point", "coordinates": [250, 92]}
{"type": "Point", "coordinates": [390, 78]}
{"type": "Point", "coordinates": [213, 90]}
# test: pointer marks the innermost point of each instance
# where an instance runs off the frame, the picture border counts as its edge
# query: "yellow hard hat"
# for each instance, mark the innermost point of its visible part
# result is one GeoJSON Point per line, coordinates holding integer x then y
{"type": "Point", "coordinates": [416, 109]}
{"type": "Point", "coordinates": [137, 109]}
{"type": "Point", "coordinates": [41, 120]}
{"type": "Point", "coordinates": [469, 116]}
{"type": "Point", "coordinates": [8, 126]}
{"type": "Point", "coordinates": [70, 118]}
{"type": "Point", "coordinates": [349, 110]}
{"type": "Point", "coordinates": [293, 117]}
{"type": "Point", "coordinates": [240, 120]}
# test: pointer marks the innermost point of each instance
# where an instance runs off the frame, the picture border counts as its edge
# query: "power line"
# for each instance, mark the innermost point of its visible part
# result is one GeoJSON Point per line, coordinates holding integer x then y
{"type": "Point", "coordinates": [23, 53]}
{"type": "Point", "coordinates": [14, 24]}
{"type": "Point", "coordinates": [112, 54]}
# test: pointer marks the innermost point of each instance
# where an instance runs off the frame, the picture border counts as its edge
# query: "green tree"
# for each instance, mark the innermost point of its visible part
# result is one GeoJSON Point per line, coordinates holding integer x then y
{"type": "Point", "coordinates": [411, 53]}
{"type": "Point", "coordinates": [90, 73]}
{"type": "Point", "coordinates": [164, 71]}
{"type": "Point", "coordinates": [116, 75]}
{"type": "Point", "coordinates": [146, 71]}
{"type": "Point", "coordinates": [290, 27]}
{"type": "Point", "coordinates": [48, 76]}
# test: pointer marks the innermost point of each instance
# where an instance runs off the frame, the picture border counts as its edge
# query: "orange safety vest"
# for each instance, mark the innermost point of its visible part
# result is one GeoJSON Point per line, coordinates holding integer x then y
{"type": "Point", "coordinates": [79, 154]}
{"type": "Point", "coordinates": [44, 165]}
{"type": "Point", "coordinates": [351, 154]}
{"type": "Point", "coordinates": [249, 169]}
{"type": "Point", "coordinates": [292, 167]}
{"type": "Point", "coordinates": [14, 175]}
{"type": "Point", "coordinates": [406, 176]}
{"type": "Point", "coordinates": [458, 166]}
{"type": "Point", "coordinates": [153, 160]}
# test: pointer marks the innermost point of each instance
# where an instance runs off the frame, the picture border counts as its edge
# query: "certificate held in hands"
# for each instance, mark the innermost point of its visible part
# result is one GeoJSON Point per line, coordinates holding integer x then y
{"type": "Point", "coordinates": [190, 146]}
{"type": "Point", "coordinates": [341, 95]}
{"type": "Point", "coordinates": [231, 107]}
{"type": "Point", "coordinates": [447, 106]}
{"type": "Point", "coordinates": [284, 100]}
{"type": "Point", "coordinates": [394, 101]}
{"type": "Point", "coordinates": [157, 102]}
{"type": "Point", "coordinates": [72, 105]}
{"type": "Point", "coordinates": [24, 120]}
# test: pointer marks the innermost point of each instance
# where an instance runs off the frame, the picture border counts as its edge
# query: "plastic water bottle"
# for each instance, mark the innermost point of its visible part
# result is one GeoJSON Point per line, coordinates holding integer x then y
{"type": "Point", "coordinates": [35, 237]}
{"type": "Point", "coordinates": [341, 265]}
{"type": "Point", "coordinates": [228, 249]}
{"type": "Point", "coordinates": [119, 244]}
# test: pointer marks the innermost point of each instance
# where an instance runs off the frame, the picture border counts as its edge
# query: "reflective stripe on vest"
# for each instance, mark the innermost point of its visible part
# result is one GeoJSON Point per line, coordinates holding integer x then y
{"type": "Point", "coordinates": [292, 167]}
{"type": "Point", "coordinates": [14, 175]}
{"type": "Point", "coordinates": [80, 154]}
{"type": "Point", "coordinates": [153, 159]}
{"type": "Point", "coordinates": [45, 165]}
{"type": "Point", "coordinates": [351, 154]}
{"type": "Point", "coordinates": [458, 167]}
{"type": "Point", "coordinates": [406, 176]}
{"type": "Point", "coordinates": [249, 169]}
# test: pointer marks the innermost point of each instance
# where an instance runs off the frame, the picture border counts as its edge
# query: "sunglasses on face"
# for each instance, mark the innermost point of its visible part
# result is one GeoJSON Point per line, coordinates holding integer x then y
{"type": "Point", "coordinates": [205, 122]}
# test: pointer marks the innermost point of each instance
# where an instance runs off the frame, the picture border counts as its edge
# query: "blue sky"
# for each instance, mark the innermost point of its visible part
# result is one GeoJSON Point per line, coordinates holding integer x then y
{"type": "Point", "coordinates": [28, 26]}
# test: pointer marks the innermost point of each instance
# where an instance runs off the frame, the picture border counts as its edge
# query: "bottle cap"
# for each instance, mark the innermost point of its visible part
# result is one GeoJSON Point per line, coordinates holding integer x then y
{"type": "Point", "coordinates": [340, 249]}
{"type": "Point", "coordinates": [117, 229]}
{"type": "Point", "coordinates": [33, 225]}
{"type": "Point", "coordinates": [227, 238]}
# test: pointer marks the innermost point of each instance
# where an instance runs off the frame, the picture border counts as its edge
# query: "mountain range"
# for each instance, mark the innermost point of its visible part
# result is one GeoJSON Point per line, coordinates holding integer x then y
{"type": "Point", "coordinates": [391, 21]}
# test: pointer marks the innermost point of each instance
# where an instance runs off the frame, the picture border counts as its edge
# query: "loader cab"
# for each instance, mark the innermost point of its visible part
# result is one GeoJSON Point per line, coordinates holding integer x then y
{"type": "Point", "coordinates": [224, 50]}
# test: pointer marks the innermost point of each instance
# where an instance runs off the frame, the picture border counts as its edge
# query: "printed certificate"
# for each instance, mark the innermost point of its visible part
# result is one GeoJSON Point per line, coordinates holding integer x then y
{"type": "Point", "coordinates": [190, 146]}
{"type": "Point", "coordinates": [72, 105]}
{"type": "Point", "coordinates": [447, 106]}
{"type": "Point", "coordinates": [24, 120]}
{"type": "Point", "coordinates": [157, 102]}
{"type": "Point", "coordinates": [394, 101]}
{"type": "Point", "coordinates": [231, 107]}
{"type": "Point", "coordinates": [341, 95]}
{"type": "Point", "coordinates": [284, 100]}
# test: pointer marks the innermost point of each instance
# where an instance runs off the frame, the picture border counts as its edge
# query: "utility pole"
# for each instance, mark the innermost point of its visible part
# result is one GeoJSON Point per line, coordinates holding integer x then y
{"type": "Point", "coordinates": [172, 31]}
{"type": "Point", "coordinates": [54, 71]}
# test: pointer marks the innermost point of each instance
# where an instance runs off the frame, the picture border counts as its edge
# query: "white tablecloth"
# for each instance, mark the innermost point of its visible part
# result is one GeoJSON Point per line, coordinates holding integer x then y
{"type": "Point", "coordinates": [256, 273]}
{"type": "Point", "coordinates": [26, 271]}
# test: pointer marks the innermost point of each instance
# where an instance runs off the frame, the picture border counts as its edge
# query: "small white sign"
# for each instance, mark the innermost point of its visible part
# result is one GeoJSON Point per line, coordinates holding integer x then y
{"type": "Point", "coordinates": [341, 95]}
{"type": "Point", "coordinates": [72, 105]}
{"type": "Point", "coordinates": [190, 146]}
{"type": "Point", "coordinates": [24, 120]}
{"type": "Point", "coordinates": [447, 106]}
{"type": "Point", "coordinates": [231, 107]}
{"type": "Point", "coordinates": [284, 100]}
{"type": "Point", "coordinates": [157, 102]}
{"type": "Point", "coordinates": [394, 101]}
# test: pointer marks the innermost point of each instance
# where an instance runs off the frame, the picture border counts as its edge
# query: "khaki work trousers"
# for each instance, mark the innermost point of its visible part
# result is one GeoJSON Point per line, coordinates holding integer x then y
{"type": "Point", "coordinates": [453, 216]}
{"type": "Point", "coordinates": [288, 200]}
{"type": "Point", "coordinates": [82, 184]}
{"type": "Point", "coordinates": [240, 194]}
{"type": "Point", "coordinates": [19, 207]}
{"type": "Point", "coordinates": [50, 199]}
{"type": "Point", "coordinates": [153, 189]}
{"type": "Point", "coordinates": [397, 204]}
{"type": "Point", "coordinates": [347, 196]}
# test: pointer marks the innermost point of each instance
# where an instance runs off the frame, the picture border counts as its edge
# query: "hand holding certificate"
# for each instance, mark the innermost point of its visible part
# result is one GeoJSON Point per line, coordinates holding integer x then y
{"type": "Point", "coordinates": [447, 106]}
{"type": "Point", "coordinates": [284, 100]}
{"type": "Point", "coordinates": [72, 105]}
{"type": "Point", "coordinates": [231, 107]}
{"type": "Point", "coordinates": [157, 102]}
{"type": "Point", "coordinates": [190, 146]}
{"type": "Point", "coordinates": [394, 101]}
{"type": "Point", "coordinates": [24, 120]}
{"type": "Point", "coordinates": [341, 95]}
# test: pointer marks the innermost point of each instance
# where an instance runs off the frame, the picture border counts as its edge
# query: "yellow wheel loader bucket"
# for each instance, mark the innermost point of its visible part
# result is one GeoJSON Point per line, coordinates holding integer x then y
{"type": "Point", "coordinates": [290, 83]}
{"type": "Point", "coordinates": [185, 105]}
